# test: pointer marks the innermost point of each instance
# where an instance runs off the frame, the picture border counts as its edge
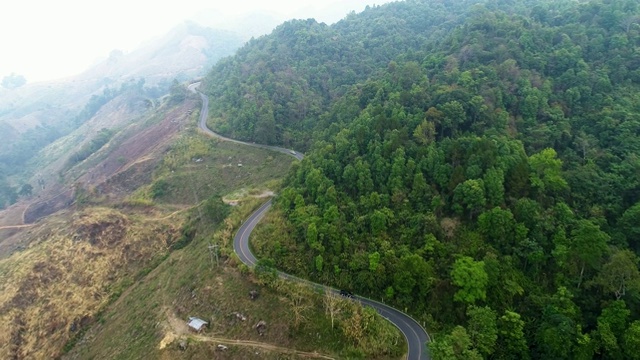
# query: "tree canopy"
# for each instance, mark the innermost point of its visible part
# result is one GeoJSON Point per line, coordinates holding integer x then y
{"type": "Point", "coordinates": [477, 161]}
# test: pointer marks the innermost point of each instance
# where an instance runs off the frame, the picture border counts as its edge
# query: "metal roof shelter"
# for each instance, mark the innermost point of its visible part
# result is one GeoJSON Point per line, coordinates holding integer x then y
{"type": "Point", "coordinates": [196, 323]}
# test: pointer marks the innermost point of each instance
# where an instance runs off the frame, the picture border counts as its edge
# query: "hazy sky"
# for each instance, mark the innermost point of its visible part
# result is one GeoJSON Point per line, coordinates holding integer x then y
{"type": "Point", "coordinates": [49, 39]}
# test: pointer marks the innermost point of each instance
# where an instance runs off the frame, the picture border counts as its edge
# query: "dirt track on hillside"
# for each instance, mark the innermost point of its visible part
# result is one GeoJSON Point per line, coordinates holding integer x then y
{"type": "Point", "coordinates": [124, 168]}
{"type": "Point", "coordinates": [178, 328]}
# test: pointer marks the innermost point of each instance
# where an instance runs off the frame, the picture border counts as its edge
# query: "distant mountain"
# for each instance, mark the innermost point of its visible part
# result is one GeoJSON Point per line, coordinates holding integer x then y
{"type": "Point", "coordinates": [187, 51]}
{"type": "Point", "coordinates": [34, 115]}
{"type": "Point", "coordinates": [253, 24]}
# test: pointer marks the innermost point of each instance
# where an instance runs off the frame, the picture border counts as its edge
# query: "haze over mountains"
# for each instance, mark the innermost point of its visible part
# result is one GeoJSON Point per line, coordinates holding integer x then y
{"type": "Point", "coordinates": [186, 52]}
{"type": "Point", "coordinates": [34, 115]}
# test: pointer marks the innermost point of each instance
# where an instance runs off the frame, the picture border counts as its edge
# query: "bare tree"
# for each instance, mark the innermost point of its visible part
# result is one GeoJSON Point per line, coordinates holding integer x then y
{"type": "Point", "coordinates": [333, 304]}
{"type": "Point", "coordinates": [627, 23]}
{"type": "Point", "coordinates": [300, 301]}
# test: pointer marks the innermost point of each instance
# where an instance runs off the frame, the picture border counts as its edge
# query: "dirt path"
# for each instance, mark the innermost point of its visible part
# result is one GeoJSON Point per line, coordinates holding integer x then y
{"type": "Point", "coordinates": [15, 226]}
{"type": "Point", "coordinates": [170, 215]}
{"type": "Point", "coordinates": [177, 328]}
{"type": "Point", "coordinates": [243, 195]}
{"type": "Point", "coordinates": [260, 345]}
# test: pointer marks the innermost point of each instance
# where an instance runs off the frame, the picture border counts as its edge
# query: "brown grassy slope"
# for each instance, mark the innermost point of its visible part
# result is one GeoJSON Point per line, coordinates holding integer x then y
{"type": "Point", "coordinates": [149, 321]}
{"type": "Point", "coordinates": [68, 273]}
{"type": "Point", "coordinates": [117, 169]}
{"type": "Point", "coordinates": [73, 261]}
{"type": "Point", "coordinates": [77, 260]}
{"type": "Point", "coordinates": [144, 139]}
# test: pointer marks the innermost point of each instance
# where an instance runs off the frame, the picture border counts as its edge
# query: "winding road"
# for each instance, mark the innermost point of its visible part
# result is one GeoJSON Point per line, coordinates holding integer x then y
{"type": "Point", "coordinates": [202, 125]}
{"type": "Point", "coordinates": [414, 333]}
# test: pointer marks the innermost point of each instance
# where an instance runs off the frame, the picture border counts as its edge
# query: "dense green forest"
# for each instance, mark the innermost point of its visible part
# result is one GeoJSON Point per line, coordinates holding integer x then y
{"type": "Point", "coordinates": [475, 163]}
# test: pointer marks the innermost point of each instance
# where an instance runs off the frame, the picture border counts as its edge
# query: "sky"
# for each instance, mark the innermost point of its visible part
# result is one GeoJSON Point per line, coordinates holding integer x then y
{"type": "Point", "coordinates": [51, 39]}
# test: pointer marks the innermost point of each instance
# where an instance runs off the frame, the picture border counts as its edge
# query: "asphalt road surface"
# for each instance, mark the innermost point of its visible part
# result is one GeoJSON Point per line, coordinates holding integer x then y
{"type": "Point", "coordinates": [202, 125]}
{"type": "Point", "coordinates": [414, 333]}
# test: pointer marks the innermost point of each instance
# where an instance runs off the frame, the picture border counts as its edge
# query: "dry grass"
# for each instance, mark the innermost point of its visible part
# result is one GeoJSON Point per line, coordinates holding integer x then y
{"type": "Point", "coordinates": [77, 264]}
{"type": "Point", "coordinates": [149, 321]}
{"type": "Point", "coordinates": [68, 273]}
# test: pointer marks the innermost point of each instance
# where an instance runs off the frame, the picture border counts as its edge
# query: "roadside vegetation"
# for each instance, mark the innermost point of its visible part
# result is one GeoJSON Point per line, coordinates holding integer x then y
{"type": "Point", "coordinates": [150, 319]}
{"type": "Point", "coordinates": [197, 167]}
{"type": "Point", "coordinates": [84, 260]}
{"type": "Point", "coordinates": [192, 282]}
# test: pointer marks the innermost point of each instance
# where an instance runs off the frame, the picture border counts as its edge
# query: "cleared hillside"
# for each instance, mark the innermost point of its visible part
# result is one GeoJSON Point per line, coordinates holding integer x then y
{"type": "Point", "coordinates": [33, 116]}
{"type": "Point", "coordinates": [116, 270]}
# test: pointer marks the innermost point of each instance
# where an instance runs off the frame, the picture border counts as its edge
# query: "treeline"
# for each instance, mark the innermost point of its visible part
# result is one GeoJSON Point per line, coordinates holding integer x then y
{"type": "Point", "coordinates": [478, 167]}
{"type": "Point", "coordinates": [102, 137]}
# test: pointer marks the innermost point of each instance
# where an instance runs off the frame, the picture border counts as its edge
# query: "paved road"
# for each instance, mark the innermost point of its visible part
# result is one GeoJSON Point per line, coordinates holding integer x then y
{"type": "Point", "coordinates": [414, 333]}
{"type": "Point", "coordinates": [202, 125]}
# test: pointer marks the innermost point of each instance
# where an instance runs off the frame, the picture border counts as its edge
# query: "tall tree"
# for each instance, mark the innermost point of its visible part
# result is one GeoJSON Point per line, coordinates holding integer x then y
{"type": "Point", "coordinates": [632, 341]}
{"type": "Point", "coordinates": [455, 346]}
{"type": "Point", "coordinates": [483, 329]}
{"type": "Point", "coordinates": [588, 246]}
{"type": "Point", "coordinates": [469, 196]}
{"type": "Point", "coordinates": [512, 343]}
{"type": "Point", "coordinates": [620, 275]}
{"type": "Point", "coordinates": [546, 171]}
{"type": "Point", "coordinates": [471, 278]}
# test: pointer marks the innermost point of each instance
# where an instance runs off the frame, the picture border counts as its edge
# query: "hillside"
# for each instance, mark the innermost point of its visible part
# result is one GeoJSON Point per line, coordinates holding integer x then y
{"type": "Point", "coordinates": [186, 52]}
{"type": "Point", "coordinates": [115, 256]}
{"type": "Point", "coordinates": [87, 242]}
{"type": "Point", "coordinates": [473, 162]}
{"type": "Point", "coordinates": [35, 115]}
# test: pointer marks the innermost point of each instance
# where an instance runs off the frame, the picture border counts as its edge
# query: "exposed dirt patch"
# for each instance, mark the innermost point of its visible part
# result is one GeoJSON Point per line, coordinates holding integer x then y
{"type": "Point", "coordinates": [260, 345]}
{"type": "Point", "coordinates": [13, 214]}
{"type": "Point", "coordinates": [124, 167]}
{"type": "Point", "coordinates": [11, 225]}
{"type": "Point", "coordinates": [39, 209]}
{"type": "Point", "coordinates": [15, 227]}
{"type": "Point", "coordinates": [145, 145]}
{"type": "Point", "coordinates": [127, 180]}
{"type": "Point", "coordinates": [105, 232]}
{"type": "Point", "coordinates": [235, 198]}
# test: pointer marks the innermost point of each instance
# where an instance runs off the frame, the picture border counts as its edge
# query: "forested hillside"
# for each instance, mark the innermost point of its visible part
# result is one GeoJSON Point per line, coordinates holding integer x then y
{"type": "Point", "coordinates": [477, 165]}
{"type": "Point", "coordinates": [275, 89]}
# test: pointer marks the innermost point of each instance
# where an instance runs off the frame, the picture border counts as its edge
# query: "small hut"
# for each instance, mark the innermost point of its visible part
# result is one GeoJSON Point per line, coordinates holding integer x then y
{"type": "Point", "coordinates": [197, 324]}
